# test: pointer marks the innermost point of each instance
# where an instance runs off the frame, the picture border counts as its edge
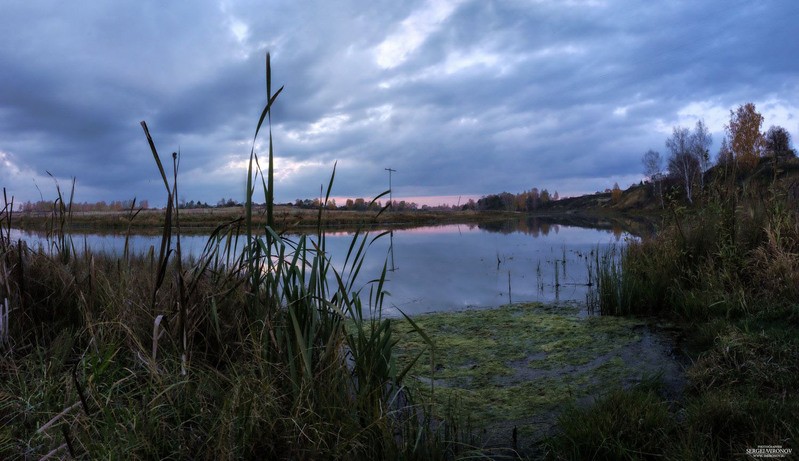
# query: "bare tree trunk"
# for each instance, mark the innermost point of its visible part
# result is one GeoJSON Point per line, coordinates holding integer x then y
{"type": "Point", "coordinates": [687, 180]}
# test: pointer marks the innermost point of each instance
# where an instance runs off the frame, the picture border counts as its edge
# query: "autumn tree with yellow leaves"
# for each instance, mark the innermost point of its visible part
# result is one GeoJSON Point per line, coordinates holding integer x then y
{"type": "Point", "coordinates": [747, 143]}
{"type": "Point", "coordinates": [615, 193]}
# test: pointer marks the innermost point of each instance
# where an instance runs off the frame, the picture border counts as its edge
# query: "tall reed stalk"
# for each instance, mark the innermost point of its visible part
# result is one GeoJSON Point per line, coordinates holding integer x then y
{"type": "Point", "coordinates": [58, 231]}
{"type": "Point", "coordinates": [615, 289]}
{"type": "Point", "coordinates": [259, 348]}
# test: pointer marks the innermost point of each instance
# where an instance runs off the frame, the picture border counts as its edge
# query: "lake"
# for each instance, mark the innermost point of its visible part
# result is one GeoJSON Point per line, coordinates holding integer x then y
{"type": "Point", "coordinates": [448, 267]}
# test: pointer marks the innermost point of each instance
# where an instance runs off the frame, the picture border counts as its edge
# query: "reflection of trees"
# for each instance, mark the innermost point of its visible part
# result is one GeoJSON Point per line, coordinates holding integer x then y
{"type": "Point", "coordinates": [503, 227]}
{"type": "Point", "coordinates": [531, 225]}
{"type": "Point", "coordinates": [537, 226]}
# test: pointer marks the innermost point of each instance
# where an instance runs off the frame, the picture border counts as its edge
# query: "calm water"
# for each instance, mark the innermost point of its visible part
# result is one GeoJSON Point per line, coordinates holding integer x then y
{"type": "Point", "coordinates": [449, 267]}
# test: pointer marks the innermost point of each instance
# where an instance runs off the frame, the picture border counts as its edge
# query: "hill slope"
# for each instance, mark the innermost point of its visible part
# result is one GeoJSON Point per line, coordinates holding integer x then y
{"type": "Point", "coordinates": [645, 197]}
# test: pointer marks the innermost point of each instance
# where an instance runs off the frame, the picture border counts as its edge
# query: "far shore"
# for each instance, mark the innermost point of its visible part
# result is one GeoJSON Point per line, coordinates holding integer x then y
{"type": "Point", "coordinates": [301, 220]}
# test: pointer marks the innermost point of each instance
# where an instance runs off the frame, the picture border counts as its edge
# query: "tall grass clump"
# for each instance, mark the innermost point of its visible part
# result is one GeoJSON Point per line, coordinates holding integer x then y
{"type": "Point", "coordinates": [260, 348]}
{"type": "Point", "coordinates": [727, 272]}
{"type": "Point", "coordinates": [734, 254]}
{"type": "Point", "coordinates": [623, 424]}
{"type": "Point", "coordinates": [613, 292]}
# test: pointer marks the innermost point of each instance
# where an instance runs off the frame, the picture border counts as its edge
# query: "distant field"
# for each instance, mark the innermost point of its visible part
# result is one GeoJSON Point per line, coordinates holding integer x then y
{"type": "Point", "coordinates": [286, 218]}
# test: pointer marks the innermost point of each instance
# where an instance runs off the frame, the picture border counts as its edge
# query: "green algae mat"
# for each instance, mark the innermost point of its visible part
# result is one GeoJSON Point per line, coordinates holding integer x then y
{"type": "Point", "coordinates": [513, 369]}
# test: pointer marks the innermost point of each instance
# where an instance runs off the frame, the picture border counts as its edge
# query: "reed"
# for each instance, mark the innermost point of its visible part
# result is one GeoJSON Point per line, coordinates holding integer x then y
{"type": "Point", "coordinates": [616, 289]}
{"type": "Point", "coordinates": [726, 272]}
{"type": "Point", "coordinates": [260, 348]}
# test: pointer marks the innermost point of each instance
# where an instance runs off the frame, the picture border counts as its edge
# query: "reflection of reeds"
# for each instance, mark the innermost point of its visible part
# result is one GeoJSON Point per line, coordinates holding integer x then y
{"type": "Point", "coordinates": [539, 277]}
{"type": "Point", "coordinates": [557, 279]}
{"type": "Point", "coordinates": [510, 294]}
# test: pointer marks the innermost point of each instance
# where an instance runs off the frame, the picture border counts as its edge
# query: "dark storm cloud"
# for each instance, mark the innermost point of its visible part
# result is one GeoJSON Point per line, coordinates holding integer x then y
{"type": "Point", "coordinates": [459, 96]}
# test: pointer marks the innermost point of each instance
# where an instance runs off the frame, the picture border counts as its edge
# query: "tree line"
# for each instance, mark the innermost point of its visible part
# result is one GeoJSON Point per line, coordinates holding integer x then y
{"type": "Point", "coordinates": [361, 204]}
{"type": "Point", "coordinates": [742, 147]}
{"type": "Point", "coordinates": [79, 207]}
{"type": "Point", "coordinates": [530, 200]}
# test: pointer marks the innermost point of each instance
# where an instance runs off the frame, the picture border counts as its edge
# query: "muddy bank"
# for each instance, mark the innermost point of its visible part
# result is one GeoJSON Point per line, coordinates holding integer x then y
{"type": "Point", "coordinates": [514, 369]}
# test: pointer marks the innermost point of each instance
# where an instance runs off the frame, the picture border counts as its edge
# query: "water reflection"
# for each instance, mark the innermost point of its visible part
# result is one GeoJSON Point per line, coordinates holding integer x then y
{"type": "Point", "coordinates": [542, 225]}
{"type": "Point", "coordinates": [447, 267]}
{"type": "Point", "coordinates": [453, 267]}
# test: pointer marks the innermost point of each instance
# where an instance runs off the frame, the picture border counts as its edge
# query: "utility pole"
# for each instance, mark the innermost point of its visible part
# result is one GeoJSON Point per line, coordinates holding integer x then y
{"type": "Point", "coordinates": [390, 200]}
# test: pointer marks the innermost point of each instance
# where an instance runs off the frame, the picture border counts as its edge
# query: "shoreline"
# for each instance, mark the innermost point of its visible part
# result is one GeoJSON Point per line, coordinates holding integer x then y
{"type": "Point", "coordinates": [306, 221]}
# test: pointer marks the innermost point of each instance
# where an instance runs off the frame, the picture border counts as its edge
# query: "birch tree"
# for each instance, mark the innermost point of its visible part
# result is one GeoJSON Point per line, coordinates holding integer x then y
{"type": "Point", "coordinates": [700, 142]}
{"type": "Point", "coordinates": [683, 165]}
{"type": "Point", "coordinates": [653, 169]}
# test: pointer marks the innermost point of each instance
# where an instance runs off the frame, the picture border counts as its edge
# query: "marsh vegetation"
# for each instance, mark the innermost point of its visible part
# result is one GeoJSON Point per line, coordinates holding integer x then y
{"type": "Point", "coordinates": [727, 270]}
{"type": "Point", "coordinates": [258, 348]}
{"type": "Point", "coordinates": [260, 345]}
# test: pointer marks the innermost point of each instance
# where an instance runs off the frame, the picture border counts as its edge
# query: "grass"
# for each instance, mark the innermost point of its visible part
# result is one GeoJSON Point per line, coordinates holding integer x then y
{"type": "Point", "coordinates": [624, 424]}
{"type": "Point", "coordinates": [740, 393]}
{"type": "Point", "coordinates": [727, 271]}
{"type": "Point", "coordinates": [260, 348]}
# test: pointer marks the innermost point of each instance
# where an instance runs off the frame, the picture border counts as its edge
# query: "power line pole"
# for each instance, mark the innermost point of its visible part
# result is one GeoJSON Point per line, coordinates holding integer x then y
{"type": "Point", "coordinates": [390, 200]}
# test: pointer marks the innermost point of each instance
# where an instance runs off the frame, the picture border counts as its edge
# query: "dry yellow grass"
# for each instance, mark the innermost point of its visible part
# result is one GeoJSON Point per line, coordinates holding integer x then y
{"type": "Point", "coordinates": [286, 218]}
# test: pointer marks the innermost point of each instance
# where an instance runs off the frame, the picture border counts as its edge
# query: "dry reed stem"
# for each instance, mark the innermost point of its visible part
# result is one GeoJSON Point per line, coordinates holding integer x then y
{"type": "Point", "coordinates": [157, 333]}
{"type": "Point", "coordinates": [4, 309]}
{"type": "Point", "coordinates": [55, 418]}
{"type": "Point", "coordinates": [53, 452]}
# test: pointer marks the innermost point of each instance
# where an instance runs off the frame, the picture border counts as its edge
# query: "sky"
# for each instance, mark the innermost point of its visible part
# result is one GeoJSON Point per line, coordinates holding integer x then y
{"type": "Point", "coordinates": [463, 98]}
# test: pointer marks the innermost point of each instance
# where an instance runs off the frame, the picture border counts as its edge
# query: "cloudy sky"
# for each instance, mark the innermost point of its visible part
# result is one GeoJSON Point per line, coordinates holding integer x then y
{"type": "Point", "coordinates": [461, 97]}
